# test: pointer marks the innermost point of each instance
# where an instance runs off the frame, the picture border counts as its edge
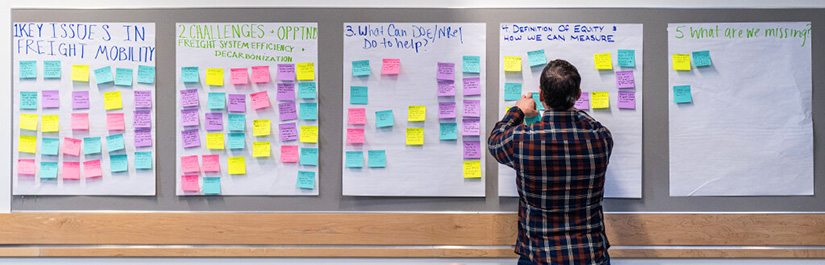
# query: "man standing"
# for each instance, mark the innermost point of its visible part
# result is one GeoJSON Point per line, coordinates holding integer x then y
{"type": "Point", "coordinates": [560, 164]}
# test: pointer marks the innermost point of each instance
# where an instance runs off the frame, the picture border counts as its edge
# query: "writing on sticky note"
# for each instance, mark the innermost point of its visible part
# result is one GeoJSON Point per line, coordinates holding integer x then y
{"type": "Point", "coordinates": [624, 79]}
{"type": "Point", "coordinates": [189, 117]}
{"type": "Point", "coordinates": [627, 58]}
{"type": "Point", "coordinates": [260, 74]}
{"type": "Point", "coordinates": [146, 74]}
{"type": "Point", "coordinates": [114, 143]}
{"type": "Point", "coordinates": [190, 138]}
{"type": "Point", "coordinates": [512, 91]}
{"type": "Point", "coordinates": [286, 72]}
{"type": "Point", "coordinates": [286, 92]}
{"type": "Point", "coordinates": [472, 108]}
{"type": "Point", "coordinates": [471, 64]}
{"type": "Point", "coordinates": [237, 102]}
{"type": "Point", "coordinates": [384, 118]}
{"type": "Point", "coordinates": [307, 90]}
{"type": "Point", "coordinates": [391, 66]}
{"type": "Point", "coordinates": [358, 95]}
{"type": "Point", "coordinates": [28, 100]}
{"type": "Point", "coordinates": [537, 98]}
{"type": "Point", "coordinates": [309, 134]}
{"type": "Point", "coordinates": [445, 71]}
{"type": "Point", "coordinates": [472, 169]}
{"type": "Point", "coordinates": [72, 146]}
{"type": "Point", "coordinates": [51, 98]}
{"type": "Point", "coordinates": [260, 149]}
{"type": "Point", "coordinates": [143, 137]}
{"type": "Point", "coordinates": [415, 136]}
{"type": "Point", "coordinates": [28, 122]}
{"type": "Point", "coordinates": [471, 127]}
{"type": "Point", "coordinates": [355, 136]}
{"type": "Point", "coordinates": [114, 122]}
{"type": "Point", "coordinates": [91, 169]}
{"type": "Point", "coordinates": [377, 158]}
{"type": "Point", "coordinates": [448, 131]}
{"type": "Point", "coordinates": [237, 165]}
{"type": "Point", "coordinates": [91, 145]}
{"type": "Point", "coordinates": [289, 154]}
{"type": "Point", "coordinates": [603, 61]}
{"type": "Point", "coordinates": [306, 180]}
{"type": "Point", "coordinates": [472, 149]}
{"type": "Point", "coordinates": [50, 123]}
{"type": "Point", "coordinates": [600, 100]}
{"type": "Point", "coordinates": [80, 73]}
{"type": "Point", "coordinates": [211, 185]}
{"type": "Point", "coordinates": [142, 119]}
{"type": "Point", "coordinates": [361, 68]}
{"type": "Point", "coordinates": [28, 69]}
{"type": "Point", "coordinates": [236, 140]}
{"type": "Point", "coordinates": [211, 163]}
{"type": "Point", "coordinates": [681, 94]}
{"type": "Point", "coordinates": [446, 110]}
{"type": "Point", "coordinates": [216, 100]}
{"type": "Point", "coordinates": [288, 132]}
{"type": "Point", "coordinates": [112, 100]}
{"type": "Point", "coordinates": [118, 163]}
{"type": "Point", "coordinates": [104, 75]}
{"type": "Point", "coordinates": [701, 59]}
{"type": "Point", "coordinates": [472, 86]}
{"type": "Point", "coordinates": [237, 122]}
{"type": "Point", "coordinates": [627, 100]}
{"type": "Point", "coordinates": [189, 98]}
{"type": "Point", "coordinates": [536, 58]}
{"type": "Point", "coordinates": [189, 74]}
{"type": "Point", "coordinates": [309, 156]}
{"type": "Point", "coordinates": [50, 146]}
{"type": "Point", "coordinates": [305, 71]}
{"type": "Point", "coordinates": [308, 111]}
{"type": "Point", "coordinates": [189, 183]}
{"type": "Point", "coordinates": [143, 160]}
{"type": "Point", "coordinates": [446, 88]}
{"type": "Point", "coordinates": [214, 76]}
{"type": "Point", "coordinates": [286, 111]}
{"type": "Point", "coordinates": [583, 102]}
{"type": "Point", "coordinates": [239, 76]}
{"type": "Point", "coordinates": [416, 113]}
{"type": "Point", "coordinates": [71, 170]}
{"type": "Point", "coordinates": [261, 127]}
{"type": "Point", "coordinates": [80, 121]}
{"type": "Point", "coordinates": [80, 99]}
{"type": "Point", "coordinates": [51, 70]}
{"type": "Point", "coordinates": [512, 64]}
{"type": "Point", "coordinates": [357, 116]}
{"type": "Point", "coordinates": [48, 170]}
{"type": "Point", "coordinates": [26, 167]}
{"type": "Point", "coordinates": [27, 144]}
{"type": "Point", "coordinates": [354, 159]}
{"type": "Point", "coordinates": [214, 121]}
{"type": "Point", "coordinates": [214, 141]}
{"type": "Point", "coordinates": [681, 62]}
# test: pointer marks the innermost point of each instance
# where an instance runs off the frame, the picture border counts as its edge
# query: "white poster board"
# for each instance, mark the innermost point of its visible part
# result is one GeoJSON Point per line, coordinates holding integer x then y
{"type": "Point", "coordinates": [436, 167]}
{"type": "Point", "coordinates": [247, 46]}
{"type": "Point", "coordinates": [97, 46]}
{"type": "Point", "coordinates": [748, 129]}
{"type": "Point", "coordinates": [578, 43]}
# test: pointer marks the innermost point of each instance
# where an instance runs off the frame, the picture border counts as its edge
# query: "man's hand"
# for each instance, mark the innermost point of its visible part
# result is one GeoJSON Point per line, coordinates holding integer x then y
{"type": "Point", "coordinates": [527, 105]}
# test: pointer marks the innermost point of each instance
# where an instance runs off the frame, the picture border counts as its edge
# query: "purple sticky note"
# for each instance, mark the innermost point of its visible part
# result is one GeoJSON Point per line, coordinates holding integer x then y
{"type": "Point", "coordinates": [445, 71]}
{"type": "Point", "coordinates": [584, 101]}
{"type": "Point", "coordinates": [471, 127]}
{"type": "Point", "coordinates": [142, 119]}
{"type": "Point", "coordinates": [286, 92]}
{"type": "Point", "coordinates": [143, 99]}
{"type": "Point", "coordinates": [624, 79]}
{"type": "Point", "coordinates": [446, 88]}
{"type": "Point", "coordinates": [190, 138]}
{"type": "Point", "coordinates": [51, 98]}
{"type": "Point", "coordinates": [286, 72]}
{"type": "Point", "coordinates": [214, 121]}
{"type": "Point", "coordinates": [80, 99]}
{"type": "Point", "coordinates": [237, 102]}
{"type": "Point", "coordinates": [189, 98]}
{"type": "Point", "coordinates": [472, 149]}
{"type": "Point", "coordinates": [472, 86]}
{"type": "Point", "coordinates": [287, 111]}
{"type": "Point", "coordinates": [189, 117]}
{"type": "Point", "coordinates": [472, 108]}
{"type": "Point", "coordinates": [446, 110]}
{"type": "Point", "coordinates": [627, 99]}
{"type": "Point", "coordinates": [143, 137]}
{"type": "Point", "coordinates": [288, 132]}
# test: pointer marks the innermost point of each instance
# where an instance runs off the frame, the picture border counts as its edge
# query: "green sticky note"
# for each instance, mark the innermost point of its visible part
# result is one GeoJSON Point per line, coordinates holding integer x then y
{"type": "Point", "coordinates": [237, 122]}
{"type": "Point", "coordinates": [471, 64]}
{"type": "Point", "coordinates": [448, 131]}
{"type": "Point", "coordinates": [358, 95]}
{"type": "Point", "coordinates": [537, 99]}
{"type": "Point", "coordinates": [701, 58]}
{"type": "Point", "coordinates": [536, 58]}
{"type": "Point", "coordinates": [211, 185]}
{"type": "Point", "coordinates": [355, 159]}
{"type": "Point", "coordinates": [118, 163]}
{"type": "Point", "coordinates": [28, 100]}
{"type": "Point", "coordinates": [384, 118]}
{"type": "Point", "coordinates": [377, 158]}
{"type": "Point", "coordinates": [28, 69]}
{"type": "Point", "coordinates": [189, 74]}
{"type": "Point", "coordinates": [531, 120]}
{"type": "Point", "coordinates": [123, 77]}
{"type": "Point", "coordinates": [115, 142]}
{"type": "Point", "coordinates": [681, 94]}
{"type": "Point", "coordinates": [104, 75]}
{"type": "Point", "coordinates": [361, 68]}
{"type": "Point", "coordinates": [146, 74]}
{"type": "Point", "coordinates": [627, 58]}
{"type": "Point", "coordinates": [91, 145]}
{"type": "Point", "coordinates": [307, 90]}
{"type": "Point", "coordinates": [217, 100]}
{"type": "Point", "coordinates": [51, 69]}
{"type": "Point", "coordinates": [308, 111]}
{"type": "Point", "coordinates": [306, 180]}
{"type": "Point", "coordinates": [143, 160]}
{"type": "Point", "coordinates": [309, 156]}
{"type": "Point", "coordinates": [48, 170]}
{"type": "Point", "coordinates": [49, 146]}
{"type": "Point", "coordinates": [236, 140]}
{"type": "Point", "coordinates": [512, 91]}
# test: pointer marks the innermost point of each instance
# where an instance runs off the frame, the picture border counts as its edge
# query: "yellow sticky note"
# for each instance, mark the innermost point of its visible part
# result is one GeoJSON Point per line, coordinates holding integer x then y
{"type": "Point", "coordinates": [260, 149]}
{"type": "Point", "coordinates": [472, 169]}
{"type": "Point", "coordinates": [214, 76]}
{"type": "Point", "coordinates": [309, 134]}
{"type": "Point", "coordinates": [599, 100]}
{"type": "Point", "coordinates": [237, 165]}
{"type": "Point", "coordinates": [681, 62]}
{"type": "Point", "coordinates": [28, 122]}
{"type": "Point", "coordinates": [80, 73]}
{"type": "Point", "coordinates": [604, 61]}
{"type": "Point", "coordinates": [507, 109]}
{"type": "Point", "coordinates": [305, 71]}
{"type": "Point", "coordinates": [261, 127]}
{"type": "Point", "coordinates": [27, 144]}
{"type": "Point", "coordinates": [416, 113]}
{"type": "Point", "coordinates": [112, 100]}
{"type": "Point", "coordinates": [51, 123]}
{"type": "Point", "coordinates": [214, 141]}
{"type": "Point", "coordinates": [415, 136]}
{"type": "Point", "coordinates": [512, 64]}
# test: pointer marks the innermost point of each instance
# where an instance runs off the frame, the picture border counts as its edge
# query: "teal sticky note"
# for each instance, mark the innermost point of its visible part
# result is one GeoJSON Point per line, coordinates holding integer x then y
{"type": "Point", "coordinates": [448, 131]}
{"type": "Point", "coordinates": [104, 75]}
{"type": "Point", "coordinates": [627, 58]}
{"type": "Point", "coordinates": [115, 142]}
{"type": "Point", "coordinates": [701, 58]}
{"type": "Point", "coordinates": [123, 77]}
{"type": "Point", "coordinates": [361, 68]}
{"type": "Point", "coordinates": [236, 140]}
{"type": "Point", "coordinates": [211, 185]}
{"type": "Point", "coordinates": [118, 163]}
{"type": "Point", "coordinates": [217, 100]}
{"type": "Point", "coordinates": [377, 158]}
{"type": "Point", "coordinates": [309, 156]}
{"type": "Point", "coordinates": [237, 122]}
{"type": "Point", "coordinates": [49, 146]}
{"type": "Point", "coordinates": [384, 118]}
{"type": "Point", "coordinates": [308, 111]}
{"type": "Point", "coordinates": [681, 94]}
{"type": "Point", "coordinates": [512, 91]}
{"type": "Point", "coordinates": [471, 64]}
{"type": "Point", "coordinates": [48, 170]}
{"type": "Point", "coordinates": [28, 69]}
{"type": "Point", "coordinates": [146, 74]}
{"type": "Point", "coordinates": [51, 69]}
{"type": "Point", "coordinates": [189, 74]}
{"type": "Point", "coordinates": [28, 100]}
{"type": "Point", "coordinates": [531, 120]}
{"type": "Point", "coordinates": [355, 159]}
{"type": "Point", "coordinates": [306, 180]}
{"type": "Point", "coordinates": [307, 90]}
{"type": "Point", "coordinates": [537, 99]}
{"type": "Point", "coordinates": [536, 58]}
{"type": "Point", "coordinates": [143, 160]}
{"type": "Point", "coordinates": [358, 95]}
{"type": "Point", "coordinates": [91, 145]}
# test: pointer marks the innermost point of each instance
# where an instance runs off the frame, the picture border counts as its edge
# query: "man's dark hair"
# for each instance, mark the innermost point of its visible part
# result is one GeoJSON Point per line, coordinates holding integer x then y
{"type": "Point", "coordinates": [560, 83]}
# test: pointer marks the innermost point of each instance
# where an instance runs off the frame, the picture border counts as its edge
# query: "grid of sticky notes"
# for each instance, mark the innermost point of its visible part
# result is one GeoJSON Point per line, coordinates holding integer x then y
{"type": "Point", "coordinates": [682, 63]}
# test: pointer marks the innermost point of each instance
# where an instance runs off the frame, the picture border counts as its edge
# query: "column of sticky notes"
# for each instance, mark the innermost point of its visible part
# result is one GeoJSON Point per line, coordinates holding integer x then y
{"type": "Point", "coordinates": [681, 63]}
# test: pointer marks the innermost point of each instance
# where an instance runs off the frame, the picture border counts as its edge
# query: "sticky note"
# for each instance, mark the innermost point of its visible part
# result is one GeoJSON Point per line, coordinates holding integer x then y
{"type": "Point", "coordinates": [583, 102]}
{"type": "Point", "coordinates": [286, 92]}
{"type": "Point", "coordinates": [701, 59]}
{"type": "Point", "coordinates": [49, 146]}
{"type": "Point", "coordinates": [537, 98]}
{"type": "Point", "coordinates": [214, 121]}
{"type": "Point", "coordinates": [627, 100]}
{"type": "Point", "coordinates": [308, 111]}
{"type": "Point", "coordinates": [261, 127]}
{"type": "Point", "coordinates": [260, 100]}
{"type": "Point", "coordinates": [357, 116]}
{"type": "Point", "coordinates": [446, 110]}
{"type": "Point", "coordinates": [189, 98]}
{"type": "Point", "coordinates": [211, 163]}
{"type": "Point", "coordinates": [142, 119]}
{"type": "Point", "coordinates": [355, 136]}
{"type": "Point", "coordinates": [289, 154]}
{"type": "Point", "coordinates": [211, 185]}
{"type": "Point", "coordinates": [472, 169]}
{"type": "Point", "coordinates": [189, 117]}
{"type": "Point", "coordinates": [471, 127]}
{"type": "Point", "coordinates": [189, 74]}
{"type": "Point", "coordinates": [48, 170]}
{"type": "Point", "coordinates": [143, 137]}
{"type": "Point", "coordinates": [146, 74]}
{"type": "Point", "coordinates": [214, 141]}
{"type": "Point", "coordinates": [384, 119]}
{"type": "Point", "coordinates": [391, 66]}
{"type": "Point", "coordinates": [354, 159]}
{"type": "Point", "coordinates": [143, 160]}
{"type": "Point", "coordinates": [51, 98]}
{"type": "Point", "coordinates": [72, 146]}
{"type": "Point", "coordinates": [358, 95]}
{"type": "Point", "coordinates": [681, 94]}
{"type": "Point", "coordinates": [305, 71]}
{"type": "Point", "coordinates": [377, 158]}
{"type": "Point", "coordinates": [260, 149]}
{"type": "Point", "coordinates": [216, 100]}
{"type": "Point", "coordinates": [307, 90]}
{"type": "Point", "coordinates": [112, 100]}
{"type": "Point", "coordinates": [214, 76]}
{"type": "Point", "coordinates": [50, 123]}
{"type": "Point", "coordinates": [624, 79]}
{"type": "Point", "coordinates": [237, 122]}
{"type": "Point", "coordinates": [80, 99]}
{"type": "Point", "coordinates": [603, 61]}
{"type": "Point", "coordinates": [471, 64]}
{"type": "Point", "coordinates": [104, 75]}
{"type": "Point", "coordinates": [113, 143]}
{"type": "Point", "coordinates": [472, 86]}
{"type": "Point", "coordinates": [28, 122]}
{"type": "Point", "coordinates": [627, 58]}
{"type": "Point", "coordinates": [361, 68]}
{"type": "Point", "coordinates": [448, 131]}
{"type": "Point", "coordinates": [446, 88]}
{"type": "Point", "coordinates": [306, 180]}
{"type": "Point", "coordinates": [260, 74]}
{"type": "Point", "coordinates": [530, 120]}
{"type": "Point", "coordinates": [236, 140]}
{"type": "Point", "coordinates": [536, 58]}
{"type": "Point", "coordinates": [118, 163]}
{"type": "Point", "coordinates": [80, 73]}
{"type": "Point", "coordinates": [71, 170]}
{"type": "Point", "coordinates": [288, 132]}
{"type": "Point", "coordinates": [190, 164]}
{"type": "Point", "coordinates": [239, 76]}
{"type": "Point", "coordinates": [91, 169]}
{"type": "Point", "coordinates": [416, 113]}
{"type": "Point", "coordinates": [27, 144]}
{"type": "Point", "coordinates": [286, 111]}
{"type": "Point", "coordinates": [512, 91]}
{"type": "Point", "coordinates": [309, 156]}
{"type": "Point", "coordinates": [237, 102]}
{"type": "Point", "coordinates": [114, 122]}
{"type": "Point", "coordinates": [415, 136]}
{"type": "Point", "coordinates": [309, 134]}
{"type": "Point", "coordinates": [472, 108]}
{"type": "Point", "coordinates": [286, 72]}
{"type": "Point", "coordinates": [28, 69]}
{"type": "Point", "coordinates": [91, 145]}
{"type": "Point", "coordinates": [512, 64]}
{"type": "Point", "coordinates": [189, 183]}
{"type": "Point", "coordinates": [599, 100]}
{"type": "Point", "coordinates": [445, 71]}
{"type": "Point", "coordinates": [472, 149]}
{"type": "Point", "coordinates": [681, 62]}
{"type": "Point", "coordinates": [52, 70]}
{"type": "Point", "coordinates": [26, 167]}
{"type": "Point", "coordinates": [28, 100]}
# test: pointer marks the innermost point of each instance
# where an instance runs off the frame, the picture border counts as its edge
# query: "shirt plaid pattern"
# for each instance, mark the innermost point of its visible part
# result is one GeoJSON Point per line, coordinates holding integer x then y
{"type": "Point", "coordinates": [560, 164]}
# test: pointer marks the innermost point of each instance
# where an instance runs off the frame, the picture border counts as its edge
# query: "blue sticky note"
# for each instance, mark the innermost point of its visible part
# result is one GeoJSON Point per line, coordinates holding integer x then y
{"type": "Point", "coordinates": [681, 94]}
{"type": "Point", "coordinates": [51, 69]}
{"type": "Point", "coordinates": [49, 146]}
{"type": "Point", "coordinates": [115, 142]}
{"type": "Point", "coordinates": [91, 145]}
{"type": "Point", "coordinates": [118, 163]}
{"type": "Point", "coordinates": [308, 111]}
{"type": "Point", "coordinates": [471, 64]}
{"type": "Point", "coordinates": [48, 170]}
{"type": "Point", "coordinates": [627, 58]}
{"type": "Point", "coordinates": [104, 75]}
{"type": "Point", "coordinates": [237, 122]}
{"type": "Point", "coordinates": [361, 68]}
{"type": "Point", "coordinates": [211, 185]}
{"type": "Point", "coordinates": [358, 95]}
{"type": "Point", "coordinates": [384, 118]}
{"type": "Point", "coordinates": [537, 99]}
{"type": "Point", "coordinates": [28, 69]}
{"type": "Point", "coordinates": [236, 140]}
{"type": "Point", "coordinates": [701, 58]}
{"type": "Point", "coordinates": [448, 131]}
{"type": "Point", "coordinates": [217, 100]}
{"type": "Point", "coordinates": [28, 100]}
{"type": "Point", "coordinates": [123, 77]}
{"type": "Point", "coordinates": [146, 74]}
{"type": "Point", "coordinates": [536, 58]}
{"type": "Point", "coordinates": [189, 74]}
{"type": "Point", "coordinates": [531, 120]}
{"type": "Point", "coordinates": [355, 159]}
{"type": "Point", "coordinates": [306, 180]}
{"type": "Point", "coordinates": [512, 91]}
{"type": "Point", "coordinates": [377, 158]}
{"type": "Point", "coordinates": [309, 156]}
{"type": "Point", "coordinates": [307, 90]}
{"type": "Point", "coordinates": [143, 160]}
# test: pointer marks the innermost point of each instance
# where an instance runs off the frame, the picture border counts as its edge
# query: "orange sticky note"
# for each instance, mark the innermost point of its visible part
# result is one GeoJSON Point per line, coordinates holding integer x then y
{"type": "Point", "coordinates": [80, 121]}
{"type": "Point", "coordinates": [114, 122]}
{"type": "Point", "coordinates": [189, 164]}
{"type": "Point", "coordinates": [189, 183]}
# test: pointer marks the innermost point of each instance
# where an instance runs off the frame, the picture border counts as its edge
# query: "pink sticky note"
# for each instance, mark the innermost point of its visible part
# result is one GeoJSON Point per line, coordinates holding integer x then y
{"type": "Point", "coordinates": [91, 169]}
{"type": "Point", "coordinates": [211, 163]}
{"type": "Point", "coordinates": [287, 111]}
{"type": "Point", "coordinates": [289, 154]}
{"type": "Point", "coordinates": [143, 99]}
{"type": "Point", "coordinates": [357, 116]}
{"type": "Point", "coordinates": [25, 167]}
{"type": "Point", "coordinates": [288, 132]}
{"type": "Point", "coordinates": [80, 121]}
{"type": "Point", "coordinates": [260, 74]}
{"type": "Point", "coordinates": [472, 149]}
{"type": "Point", "coordinates": [260, 100]}
{"type": "Point", "coordinates": [190, 138]}
{"type": "Point", "coordinates": [143, 137]}
{"type": "Point", "coordinates": [471, 127]}
{"type": "Point", "coordinates": [584, 101]}
{"type": "Point", "coordinates": [189, 183]}
{"type": "Point", "coordinates": [71, 146]}
{"type": "Point", "coordinates": [445, 71]}
{"type": "Point", "coordinates": [355, 136]}
{"type": "Point", "coordinates": [214, 121]}
{"type": "Point", "coordinates": [627, 100]}
{"type": "Point", "coordinates": [237, 102]}
{"type": "Point", "coordinates": [624, 79]}
{"type": "Point", "coordinates": [286, 72]}
{"type": "Point", "coordinates": [71, 170]}
{"type": "Point", "coordinates": [446, 88]}
{"type": "Point", "coordinates": [472, 108]}
{"type": "Point", "coordinates": [114, 122]}
{"type": "Point", "coordinates": [51, 98]}
{"type": "Point", "coordinates": [189, 98]}
{"type": "Point", "coordinates": [446, 110]}
{"type": "Point", "coordinates": [391, 67]}
{"type": "Point", "coordinates": [189, 117]}
{"type": "Point", "coordinates": [80, 99]}
{"type": "Point", "coordinates": [286, 92]}
{"type": "Point", "coordinates": [472, 86]}
{"type": "Point", "coordinates": [190, 164]}
{"type": "Point", "coordinates": [239, 76]}
{"type": "Point", "coordinates": [142, 119]}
